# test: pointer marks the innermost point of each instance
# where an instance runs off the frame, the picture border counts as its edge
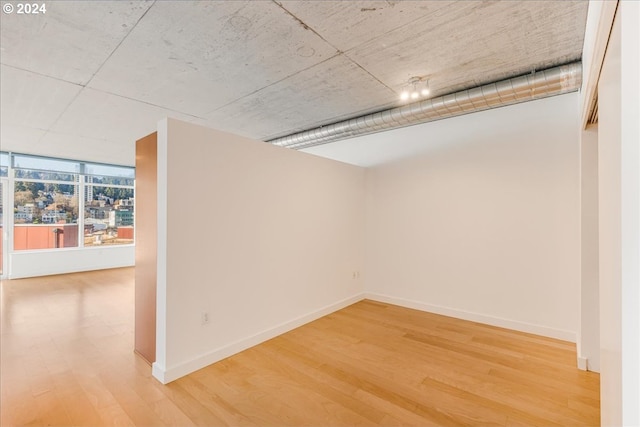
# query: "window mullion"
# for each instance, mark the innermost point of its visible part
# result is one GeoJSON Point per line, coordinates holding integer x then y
{"type": "Point", "coordinates": [81, 203]}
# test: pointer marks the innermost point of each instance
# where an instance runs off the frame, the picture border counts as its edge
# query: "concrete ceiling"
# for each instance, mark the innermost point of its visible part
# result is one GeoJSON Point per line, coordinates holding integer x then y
{"type": "Point", "coordinates": [88, 78]}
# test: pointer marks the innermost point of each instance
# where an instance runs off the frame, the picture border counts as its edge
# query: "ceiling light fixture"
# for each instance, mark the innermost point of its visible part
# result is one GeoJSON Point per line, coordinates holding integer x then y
{"type": "Point", "coordinates": [415, 88]}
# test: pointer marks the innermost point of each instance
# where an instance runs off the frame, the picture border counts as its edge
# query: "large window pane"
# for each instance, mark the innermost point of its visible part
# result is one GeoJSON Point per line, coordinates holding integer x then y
{"type": "Point", "coordinates": [109, 170]}
{"type": "Point", "coordinates": [109, 180]}
{"type": "Point", "coordinates": [45, 215]}
{"type": "Point", "coordinates": [45, 164]}
{"type": "Point", "coordinates": [46, 195]}
{"type": "Point", "coordinates": [4, 164]}
{"type": "Point", "coordinates": [45, 175]}
{"type": "Point", "coordinates": [108, 215]}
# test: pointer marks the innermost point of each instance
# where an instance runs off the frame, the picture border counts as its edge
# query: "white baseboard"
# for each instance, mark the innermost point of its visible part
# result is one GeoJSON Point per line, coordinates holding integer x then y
{"type": "Point", "coordinates": [582, 363]}
{"type": "Point", "coordinates": [159, 373]}
{"type": "Point", "coordinates": [174, 372]}
{"type": "Point", "coordinates": [476, 317]}
{"type": "Point", "coordinates": [585, 363]}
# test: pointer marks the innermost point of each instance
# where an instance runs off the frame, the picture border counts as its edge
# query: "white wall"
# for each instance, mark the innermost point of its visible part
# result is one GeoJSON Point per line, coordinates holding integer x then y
{"type": "Point", "coordinates": [589, 334]}
{"type": "Point", "coordinates": [486, 226]}
{"type": "Point", "coordinates": [610, 237]}
{"type": "Point", "coordinates": [261, 238]}
{"type": "Point", "coordinates": [630, 223]}
{"type": "Point", "coordinates": [69, 260]}
{"type": "Point", "coordinates": [619, 194]}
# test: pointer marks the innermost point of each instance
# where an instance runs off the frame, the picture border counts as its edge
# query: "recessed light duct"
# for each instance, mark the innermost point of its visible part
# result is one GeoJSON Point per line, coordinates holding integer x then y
{"type": "Point", "coordinates": [541, 84]}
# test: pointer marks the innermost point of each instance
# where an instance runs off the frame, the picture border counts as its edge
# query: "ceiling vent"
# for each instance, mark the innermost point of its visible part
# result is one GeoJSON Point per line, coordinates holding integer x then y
{"type": "Point", "coordinates": [540, 84]}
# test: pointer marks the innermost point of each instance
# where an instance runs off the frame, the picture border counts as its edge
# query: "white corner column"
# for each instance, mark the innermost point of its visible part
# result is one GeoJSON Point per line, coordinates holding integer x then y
{"type": "Point", "coordinates": [619, 201]}
{"type": "Point", "coordinates": [630, 222]}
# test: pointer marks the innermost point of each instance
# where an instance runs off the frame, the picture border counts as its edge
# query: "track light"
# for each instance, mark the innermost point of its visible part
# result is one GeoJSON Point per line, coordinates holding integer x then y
{"type": "Point", "coordinates": [415, 88]}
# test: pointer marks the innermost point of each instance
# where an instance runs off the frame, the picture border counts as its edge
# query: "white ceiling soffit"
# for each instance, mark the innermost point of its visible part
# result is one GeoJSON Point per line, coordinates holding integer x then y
{"type": "Point", "coordinates": [555, 116]}
{"type": "Point", "coordinates": [261, 69]}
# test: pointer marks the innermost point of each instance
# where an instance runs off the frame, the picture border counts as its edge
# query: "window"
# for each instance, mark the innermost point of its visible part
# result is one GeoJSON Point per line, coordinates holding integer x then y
{"type": "Point", "coordinates": [33, 163]}
{"type": "Point", "coordinates": [4, 164]}
{"type": "Point", "coordinates": [45, 203]}
{"type": "Point", "coordinates": [48, 194]}
{"type": "Point", "coordinates": [108, 211]}
{"type": "Point", "coordinates": [45, 215]}
{"type": "Point", "coordinates": [125, 173]}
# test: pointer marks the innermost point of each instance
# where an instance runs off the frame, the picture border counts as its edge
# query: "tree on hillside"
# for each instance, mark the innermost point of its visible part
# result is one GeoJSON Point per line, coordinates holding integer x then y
{"type": "Point", "coordinates": [23, 197]}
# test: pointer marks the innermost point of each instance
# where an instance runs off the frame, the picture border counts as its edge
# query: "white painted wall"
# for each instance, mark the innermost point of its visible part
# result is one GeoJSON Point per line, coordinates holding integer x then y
{"type": "Point", "coordinates": [630, 223]}
{"type": "Point", "coordinates": [69, 260]}
{"type": "Point", "coordinates": [484, 224]}
{"type": "Point", "coordinates": [619, 194]}
{"type": "Point", "coordinates": [588, 344]}
{"type": "Point", "coordinates": [260, 237]}
{"type": "Point", "coordinates": [610, 234]}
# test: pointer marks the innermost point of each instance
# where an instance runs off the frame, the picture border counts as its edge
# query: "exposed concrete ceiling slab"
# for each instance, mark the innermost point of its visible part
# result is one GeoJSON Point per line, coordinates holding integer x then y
{"type": "Point", "coordinates": [347, 24]}
{"type": "Point", "coordinates": [88, 77]}
{"type": "Point", "coordinates": [31, 100]}
{"type": "Point", "coordinates": [491, 41]}
{"type": "Point", "coordinates": [104, 120]}
{"type": "Point", "coordinates": [72, 146]}
{"type": "Point", "coordinates": [338, 88]}
{"type": "Point", "coordinates": [20, 138]}
{"type": "Point", "coordinates": [71, 40]}
{"type": "Point", "coordinates": [195, 57]}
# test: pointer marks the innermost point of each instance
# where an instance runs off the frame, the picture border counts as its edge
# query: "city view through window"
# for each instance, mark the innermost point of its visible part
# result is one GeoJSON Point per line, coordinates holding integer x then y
{"type": "Point", "coordinates": [65, 204]}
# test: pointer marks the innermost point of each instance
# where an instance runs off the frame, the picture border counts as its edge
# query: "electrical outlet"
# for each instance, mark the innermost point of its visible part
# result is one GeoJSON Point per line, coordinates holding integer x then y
{"type": "Point", "coordinates": [204, 318]}
{"type": "Point", "coordinates": [355, 275]}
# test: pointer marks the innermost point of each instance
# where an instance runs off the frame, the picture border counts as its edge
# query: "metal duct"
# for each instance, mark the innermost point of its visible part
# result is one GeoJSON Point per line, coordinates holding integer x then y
{"type": "Point", "coordinates": [541, 84]}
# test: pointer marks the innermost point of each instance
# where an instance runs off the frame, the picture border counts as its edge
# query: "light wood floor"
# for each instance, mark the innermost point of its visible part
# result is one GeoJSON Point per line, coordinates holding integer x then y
{"type": "Point", "coordinates": [67, 359]}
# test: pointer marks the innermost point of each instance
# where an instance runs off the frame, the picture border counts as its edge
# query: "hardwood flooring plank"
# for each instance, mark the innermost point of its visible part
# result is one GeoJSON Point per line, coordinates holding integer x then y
{"type": "Point", "coordinates": [51, 409]}
{"type": "Point", "coordinates": [115, 416]}
{"type": "Point", "coordinates": [197, 412]}
{"type": "Point", "coordinates": [319, 399]}
{"type": "Point", "coordinates": [299, 373]}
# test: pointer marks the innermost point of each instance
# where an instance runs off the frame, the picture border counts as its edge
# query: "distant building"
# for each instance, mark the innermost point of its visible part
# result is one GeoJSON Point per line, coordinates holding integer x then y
{"type": "Point", "coordinates": [88, 189]}
{"type": "Point", "coordinates": [23, 217]}
{"type": "Point", "coordinates": [28, 208]}
{"type": "Point", "coordinates": [54, 217]}
{"type": "Point", "coordinates": [126, 203]}
{"type": "Point", "coordinates": [95, 212]}
{"type": "Point", "coordinates": [104, 200]}
{"type": "Point", "coordinates": [94, 225]}
{"type": "Point", "coordinates": [120, 218]}
{"type": "Point", "coordinates": [25, 212]}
